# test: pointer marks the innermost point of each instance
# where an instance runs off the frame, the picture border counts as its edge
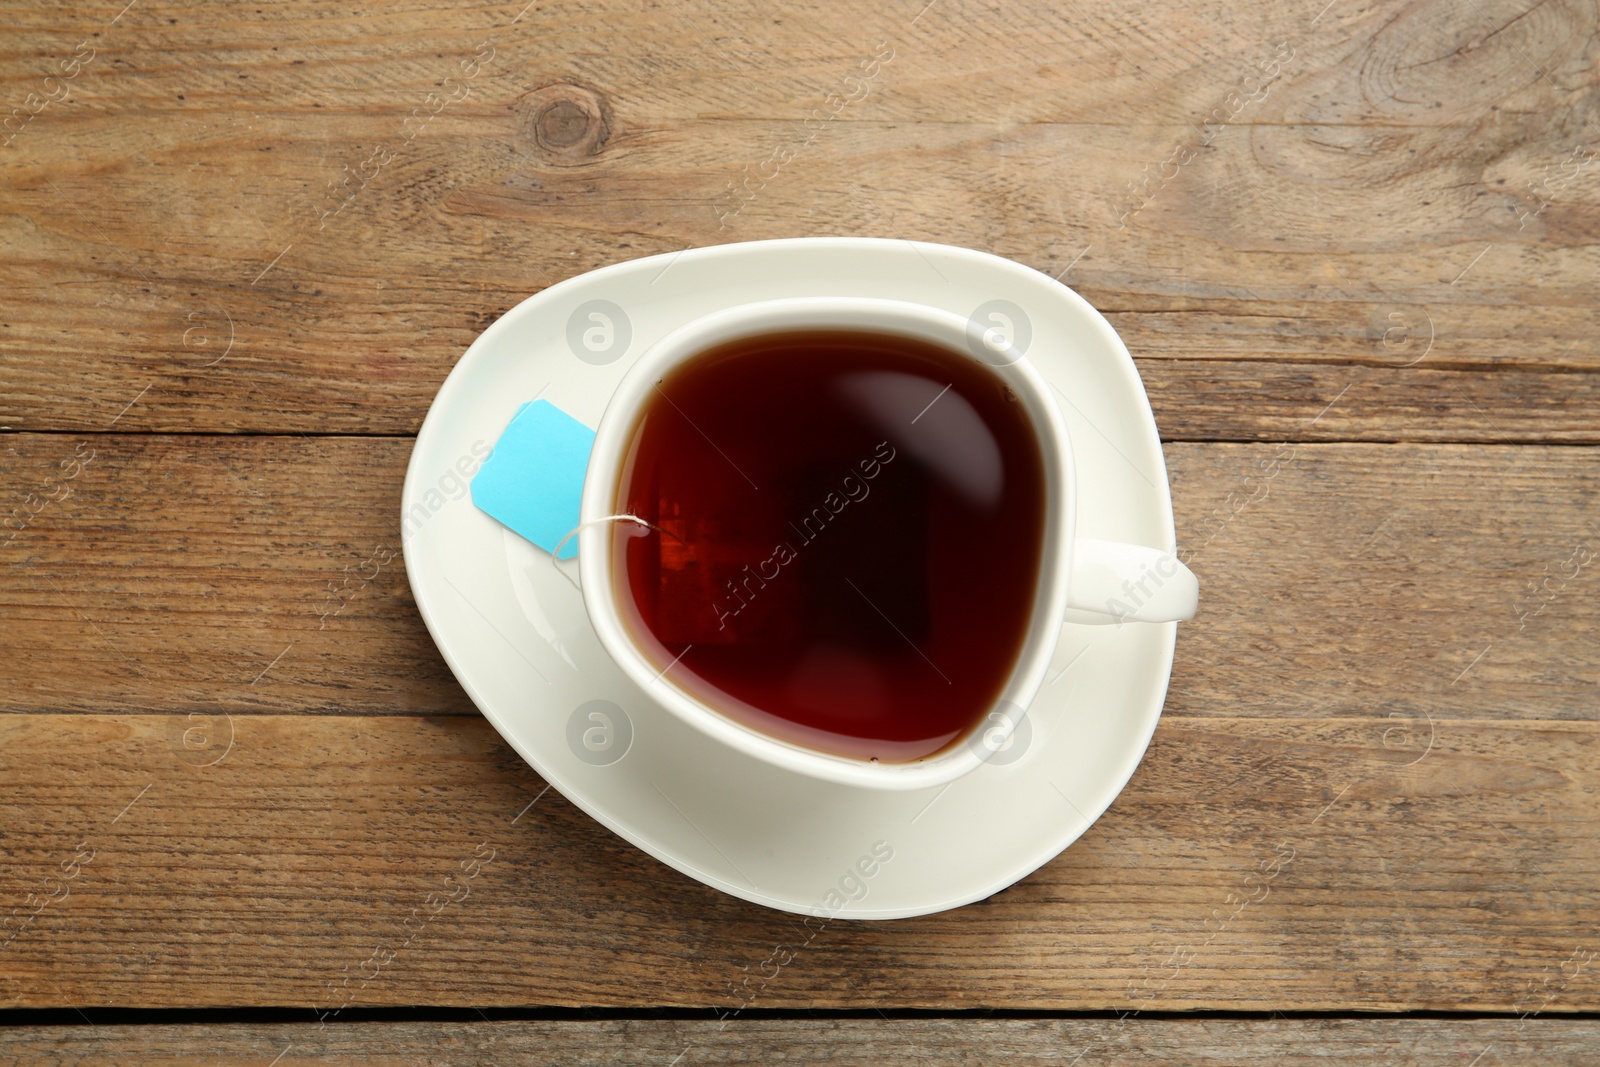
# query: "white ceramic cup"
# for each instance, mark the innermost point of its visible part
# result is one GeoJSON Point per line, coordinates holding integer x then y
{"type": "Point", "coordinates": [1080, 579]}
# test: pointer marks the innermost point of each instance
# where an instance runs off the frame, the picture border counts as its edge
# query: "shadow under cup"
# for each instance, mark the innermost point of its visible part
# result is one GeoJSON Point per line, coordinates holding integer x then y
{"type": "Point", "coordinates": [841, 538]}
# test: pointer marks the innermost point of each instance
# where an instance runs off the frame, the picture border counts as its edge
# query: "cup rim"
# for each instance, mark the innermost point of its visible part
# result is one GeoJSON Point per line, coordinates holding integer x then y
{"type": "Point", "coordinates": [944, 328]}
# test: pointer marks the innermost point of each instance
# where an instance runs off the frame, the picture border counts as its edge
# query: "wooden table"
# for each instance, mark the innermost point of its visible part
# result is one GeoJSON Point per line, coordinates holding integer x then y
{"type": "Point", "coordinates": [1354, 249]}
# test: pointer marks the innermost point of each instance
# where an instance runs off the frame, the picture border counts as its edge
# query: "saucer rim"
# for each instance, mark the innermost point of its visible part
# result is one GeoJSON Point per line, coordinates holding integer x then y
{"type": "Point", "coordinates": [1161, 656]}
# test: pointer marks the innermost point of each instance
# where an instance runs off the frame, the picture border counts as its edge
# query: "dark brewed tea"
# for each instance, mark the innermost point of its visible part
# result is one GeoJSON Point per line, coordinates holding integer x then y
{"type": "Point", "coordinates": [847, 543]}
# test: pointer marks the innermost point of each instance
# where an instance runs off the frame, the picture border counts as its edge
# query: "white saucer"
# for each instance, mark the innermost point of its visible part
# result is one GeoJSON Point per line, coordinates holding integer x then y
{"type": "Point", "coordinates": [515, 633]}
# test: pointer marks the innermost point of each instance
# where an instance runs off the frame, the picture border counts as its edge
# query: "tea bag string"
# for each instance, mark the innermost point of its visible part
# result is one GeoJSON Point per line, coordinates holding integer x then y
{"type": "Point", "coordinates": [555, 553]}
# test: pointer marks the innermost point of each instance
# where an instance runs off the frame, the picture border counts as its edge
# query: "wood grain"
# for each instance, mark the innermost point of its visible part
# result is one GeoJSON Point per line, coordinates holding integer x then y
{"type": "Point", "coordinates": [1364, 212]}
{"type": "Point", "coordinates": [1336, 579]}
{"type": "Point", "coordinates": [1353, 248]}
{"type": "Point", "coordinates": [180, 568]}
{"type": "Point", "coordinates": [269, 868]}
{"type": "Point", "coordinates": [1205, 400]}
{"type": "Point", "coordinates": [936, 1043]}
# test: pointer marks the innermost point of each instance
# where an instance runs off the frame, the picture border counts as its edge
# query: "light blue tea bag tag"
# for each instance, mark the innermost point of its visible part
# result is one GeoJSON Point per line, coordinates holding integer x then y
{"type": "Point", "coordinates": [533, 480]}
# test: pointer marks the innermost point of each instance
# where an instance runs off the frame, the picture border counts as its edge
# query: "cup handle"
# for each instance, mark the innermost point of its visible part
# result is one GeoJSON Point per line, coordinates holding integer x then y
{"type": "Point", "coordinates": [1112, 582]}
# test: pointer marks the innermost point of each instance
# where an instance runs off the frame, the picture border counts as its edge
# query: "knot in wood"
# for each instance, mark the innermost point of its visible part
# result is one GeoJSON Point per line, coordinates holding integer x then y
{"type": "Point", "coordinates": [569, 123]}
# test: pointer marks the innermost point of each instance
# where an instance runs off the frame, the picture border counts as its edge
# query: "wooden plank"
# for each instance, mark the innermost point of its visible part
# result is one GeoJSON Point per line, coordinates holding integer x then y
{"type": "Point", "coordinates": [1204, 400]}
{"type": "Point", "coordinates": [1457, 877]}
{"type": "Point", "coordinates": [1337, 579]}
{"type": "Point", "coordinates": [1165, 62]}
{"type": "Point", "coordinates": [887, 1042]}
{"type": "Point", "coordinates": [172, 572]}
{"type": "Point", "coordinates": [183, 206]}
